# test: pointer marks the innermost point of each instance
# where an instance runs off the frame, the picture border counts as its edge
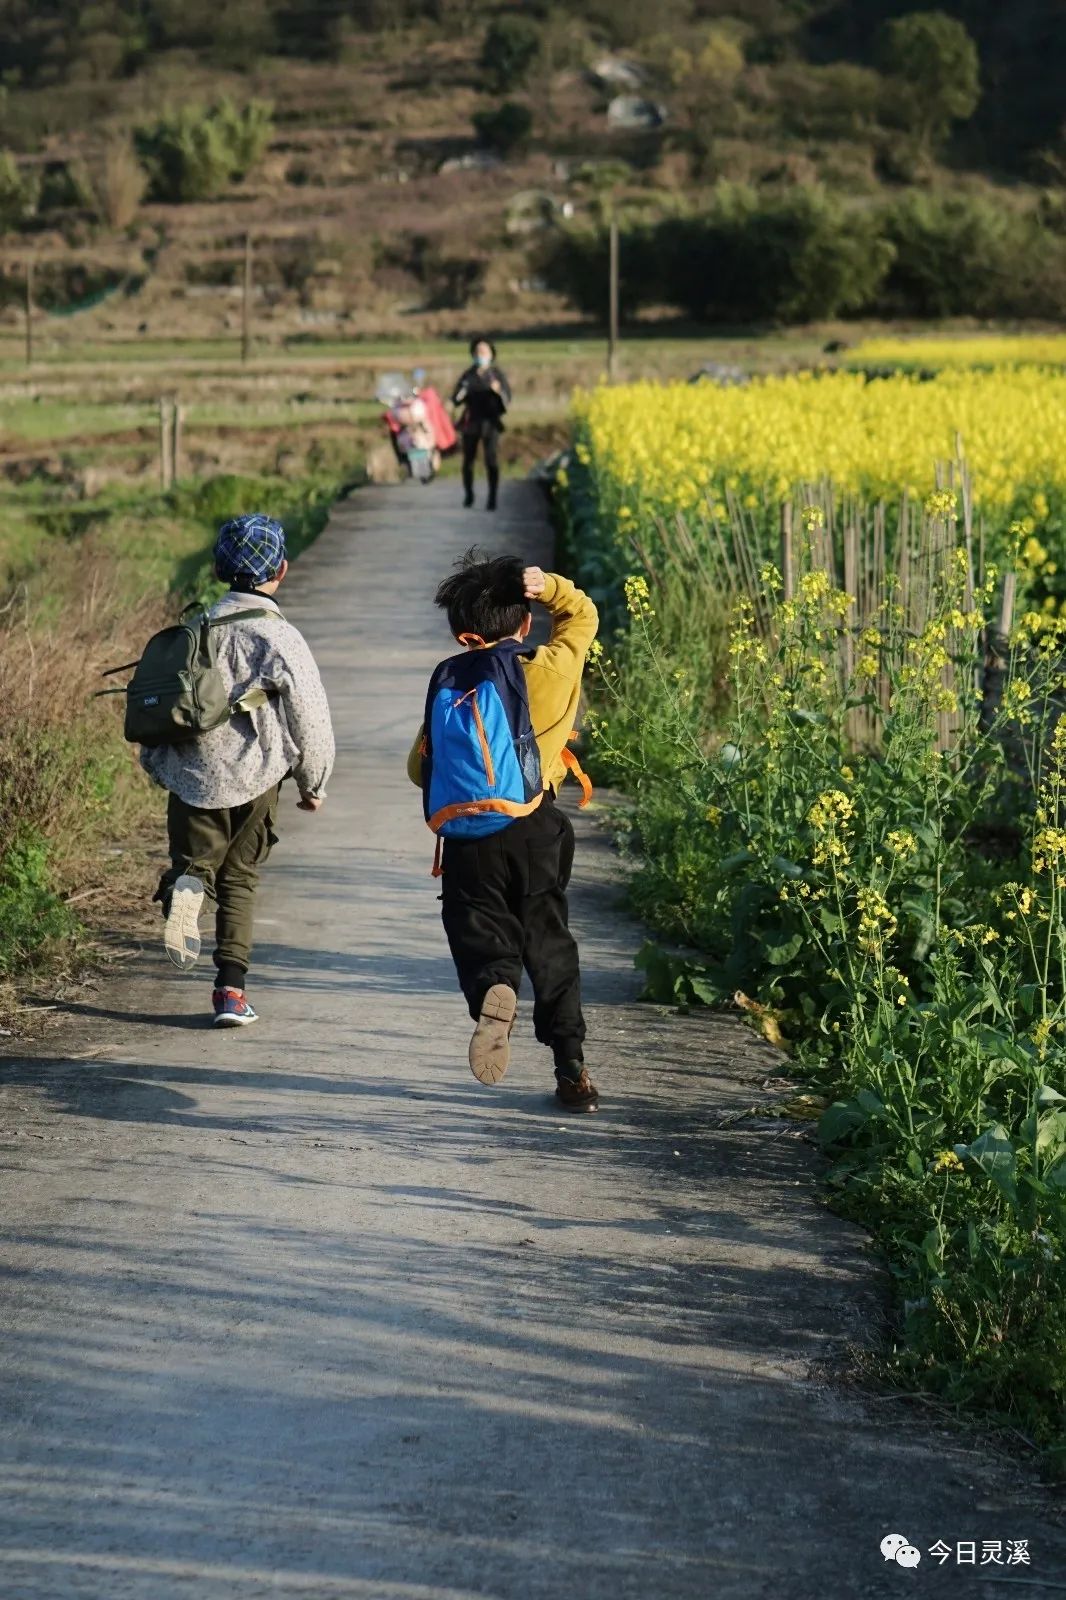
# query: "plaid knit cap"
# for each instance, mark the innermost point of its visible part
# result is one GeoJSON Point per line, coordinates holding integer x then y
{"type": "Point", "coordinates": [250, 548]}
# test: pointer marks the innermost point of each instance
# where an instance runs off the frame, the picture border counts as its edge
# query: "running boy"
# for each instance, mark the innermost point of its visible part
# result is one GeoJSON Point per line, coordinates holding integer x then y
{"type": "Point", "coordinates": [224, 784]}
{"type": "Point", "coordinates": [504, 894]}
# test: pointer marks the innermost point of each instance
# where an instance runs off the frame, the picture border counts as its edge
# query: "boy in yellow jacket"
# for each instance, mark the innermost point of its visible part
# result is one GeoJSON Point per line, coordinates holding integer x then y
{"type": "Point", "coordinates": [504, 895]}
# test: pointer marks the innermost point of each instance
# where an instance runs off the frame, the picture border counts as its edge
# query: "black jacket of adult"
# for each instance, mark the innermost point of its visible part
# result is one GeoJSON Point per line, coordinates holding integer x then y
{"type": "Point", "coordinates": [483, 406]}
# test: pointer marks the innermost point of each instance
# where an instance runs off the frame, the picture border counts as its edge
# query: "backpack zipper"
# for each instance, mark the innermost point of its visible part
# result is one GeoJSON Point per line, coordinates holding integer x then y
{"type": "Point", "coordinates": [486, 753]}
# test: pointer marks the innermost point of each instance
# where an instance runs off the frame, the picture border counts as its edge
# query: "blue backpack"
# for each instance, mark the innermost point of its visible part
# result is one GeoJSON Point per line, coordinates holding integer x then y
{"type": "Point", "coordinates": [480, 763]}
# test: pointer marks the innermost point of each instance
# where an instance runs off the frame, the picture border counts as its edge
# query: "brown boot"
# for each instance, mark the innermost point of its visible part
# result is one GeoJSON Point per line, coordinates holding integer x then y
{"type": "Point", "coordinates": [576, 1094]}
{"type": "Point", "coordinates": [490, 1048]}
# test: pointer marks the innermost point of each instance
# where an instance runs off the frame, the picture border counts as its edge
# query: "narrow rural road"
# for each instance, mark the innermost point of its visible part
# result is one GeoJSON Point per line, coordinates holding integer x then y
{"type": "Point", "coordinates": [304, 1311]}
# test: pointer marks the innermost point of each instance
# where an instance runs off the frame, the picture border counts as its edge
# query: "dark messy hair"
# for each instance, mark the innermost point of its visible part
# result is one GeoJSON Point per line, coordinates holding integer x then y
{"type": "Point", "coordinates": [485, 596]}
{"type": "Point", "coordinates": [482, 338]}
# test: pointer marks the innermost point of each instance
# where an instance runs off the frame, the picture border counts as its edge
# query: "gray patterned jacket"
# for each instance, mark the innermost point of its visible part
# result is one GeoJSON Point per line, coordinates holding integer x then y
{"type": "Point", "coordinates": [290, 731]}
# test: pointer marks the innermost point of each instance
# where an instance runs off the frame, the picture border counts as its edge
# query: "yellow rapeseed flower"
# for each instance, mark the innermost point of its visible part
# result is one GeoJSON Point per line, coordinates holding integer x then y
{"type": "Point", "coordinates": [638, 597]}
{"type": "Point", "coordinates": [979, 350]}
{"type": "Point", "coordinates": [671, 447]}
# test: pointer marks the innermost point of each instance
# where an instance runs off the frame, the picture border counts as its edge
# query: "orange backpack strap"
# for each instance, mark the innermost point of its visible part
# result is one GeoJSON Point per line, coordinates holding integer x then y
{"type": "Point", "coordinates": [438, 870]}
{"type": "Point", "coordinates": [573, 766]}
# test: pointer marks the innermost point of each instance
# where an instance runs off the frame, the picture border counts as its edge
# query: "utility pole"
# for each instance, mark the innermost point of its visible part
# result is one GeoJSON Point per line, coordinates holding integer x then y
{"type": "Point", "coordinates": [246, 300]}
{"type": "Point", "coordinates": [612, 331]}
{"type": "Point", "coordinates": [29, 312]}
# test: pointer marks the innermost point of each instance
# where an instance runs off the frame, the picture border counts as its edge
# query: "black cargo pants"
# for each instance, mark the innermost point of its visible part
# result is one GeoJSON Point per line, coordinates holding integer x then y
{"type": "Point", "coordinates": [504, 909]}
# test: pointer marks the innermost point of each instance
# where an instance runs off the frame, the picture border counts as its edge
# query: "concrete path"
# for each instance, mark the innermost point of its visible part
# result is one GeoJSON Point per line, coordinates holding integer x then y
{"type": "Point", "coordinates": [304, 1311]}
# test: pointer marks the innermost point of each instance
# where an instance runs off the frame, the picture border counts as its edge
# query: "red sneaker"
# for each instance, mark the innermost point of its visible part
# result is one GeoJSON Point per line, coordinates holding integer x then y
{"type": "Point", "coordinates": [232, 1009]}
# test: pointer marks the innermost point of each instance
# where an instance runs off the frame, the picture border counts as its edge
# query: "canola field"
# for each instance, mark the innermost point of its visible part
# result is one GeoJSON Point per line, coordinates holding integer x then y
{"type": "Point", "coordinates": [978, 350]}
{"type": "Point", "coordinates": [655, 450]}
{"type": "Point", "coordinates": [839, 823]}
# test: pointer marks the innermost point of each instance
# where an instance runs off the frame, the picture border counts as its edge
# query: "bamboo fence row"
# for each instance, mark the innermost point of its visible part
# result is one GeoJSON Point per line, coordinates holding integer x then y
{"type": "Point", "coordinates": [892, 561]}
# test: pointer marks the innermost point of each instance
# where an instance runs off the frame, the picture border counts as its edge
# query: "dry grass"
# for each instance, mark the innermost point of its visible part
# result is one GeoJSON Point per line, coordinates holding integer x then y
{"type": "Point", "coordinates": [119, 184]}
{"type": "Point", "coordinates": [68, 781]}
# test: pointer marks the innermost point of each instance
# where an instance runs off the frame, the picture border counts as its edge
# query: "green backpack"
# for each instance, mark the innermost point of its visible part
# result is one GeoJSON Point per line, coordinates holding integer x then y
{"type": "Point", "coordinates": [177, 691]}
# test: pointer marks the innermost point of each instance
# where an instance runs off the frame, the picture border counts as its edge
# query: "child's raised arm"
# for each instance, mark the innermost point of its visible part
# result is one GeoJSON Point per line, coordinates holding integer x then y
{"type": "Point", "coordinates": [575, 619]}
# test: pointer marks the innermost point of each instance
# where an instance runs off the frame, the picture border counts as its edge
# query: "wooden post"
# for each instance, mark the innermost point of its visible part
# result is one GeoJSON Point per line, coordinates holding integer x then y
{"type": "Point", "coordinates": [177, 419]}
{"type": "Point", "coordinates": [612, 331]}
{"type": "Point", "coordinates": [29, 312]}
{"type": "Point", "coordinates": [166, 445]}
{"type": "Point", "coordinates": [788, 569]}
{"type": "Point", "coordinates": [246, 300]}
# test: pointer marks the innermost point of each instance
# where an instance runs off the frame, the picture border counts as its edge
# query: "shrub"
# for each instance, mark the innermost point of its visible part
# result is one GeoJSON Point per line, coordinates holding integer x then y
{"type": "Point", "coordinates": [958, 255]}
{"type": "Point", "coordinates": [31, 913]}
{"type": "Point", "coordinates": [575, 262]}
{"type": "Point", "coordinates": [510, 48]}
{"type": "Point", "coordinates": [798, 254]}
{"type": "Point", "coordinates": [506, 128]}
{"type": "Point", "coordinates": [789, 257]}
{"type": "Point", "coordinates": [749, 257]}
{"type": "Point", "coordinates": [195, 153]}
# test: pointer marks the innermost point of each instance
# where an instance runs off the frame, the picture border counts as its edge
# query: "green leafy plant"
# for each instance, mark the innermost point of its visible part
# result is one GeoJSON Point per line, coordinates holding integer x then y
{"type": "Point", "coordinates": [31, 913]}
{"type": "Point", "coordinates": [197, 152]}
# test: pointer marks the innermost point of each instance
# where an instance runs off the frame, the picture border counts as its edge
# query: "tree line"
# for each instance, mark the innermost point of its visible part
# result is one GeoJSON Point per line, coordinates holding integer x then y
{"type": "Point", "coordinates": [750, 256]}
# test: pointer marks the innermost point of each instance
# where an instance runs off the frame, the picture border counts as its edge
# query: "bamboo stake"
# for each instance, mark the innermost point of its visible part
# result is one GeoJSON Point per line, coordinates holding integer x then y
{"type": "Point", "coordinates": [851, 562]}
{"type": "Point", "coordinates": [788, 570]}
{"type": "Point", "coordinates": [691, 548]}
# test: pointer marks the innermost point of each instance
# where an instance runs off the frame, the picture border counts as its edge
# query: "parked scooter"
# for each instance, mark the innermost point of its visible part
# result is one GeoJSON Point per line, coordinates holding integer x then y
{"type": "Point", "coordinates": [419, 427]}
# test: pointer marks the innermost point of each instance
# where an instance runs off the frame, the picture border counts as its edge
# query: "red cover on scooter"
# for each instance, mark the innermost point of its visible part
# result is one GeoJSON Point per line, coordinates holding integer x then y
{"type": "Point", "coordinates": [440, 422]}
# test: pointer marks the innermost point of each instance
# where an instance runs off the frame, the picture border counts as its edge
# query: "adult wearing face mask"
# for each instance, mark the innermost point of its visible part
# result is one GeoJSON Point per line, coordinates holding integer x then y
{"type": "Point", "coordinates": [484, 394]}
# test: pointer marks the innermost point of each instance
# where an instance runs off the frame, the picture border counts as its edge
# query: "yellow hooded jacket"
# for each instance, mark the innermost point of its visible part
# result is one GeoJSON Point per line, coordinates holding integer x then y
{"type": "Point", "coordinates": [553, 677]}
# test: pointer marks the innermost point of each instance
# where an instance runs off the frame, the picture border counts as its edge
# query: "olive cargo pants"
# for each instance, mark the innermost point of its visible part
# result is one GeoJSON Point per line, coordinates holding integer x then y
{"type": "Point", "coordinates": [225, 850]}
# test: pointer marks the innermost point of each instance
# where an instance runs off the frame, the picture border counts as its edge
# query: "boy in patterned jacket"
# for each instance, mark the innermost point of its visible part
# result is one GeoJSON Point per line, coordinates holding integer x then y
{"type": "Point", "coordinates": [224, 784]}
